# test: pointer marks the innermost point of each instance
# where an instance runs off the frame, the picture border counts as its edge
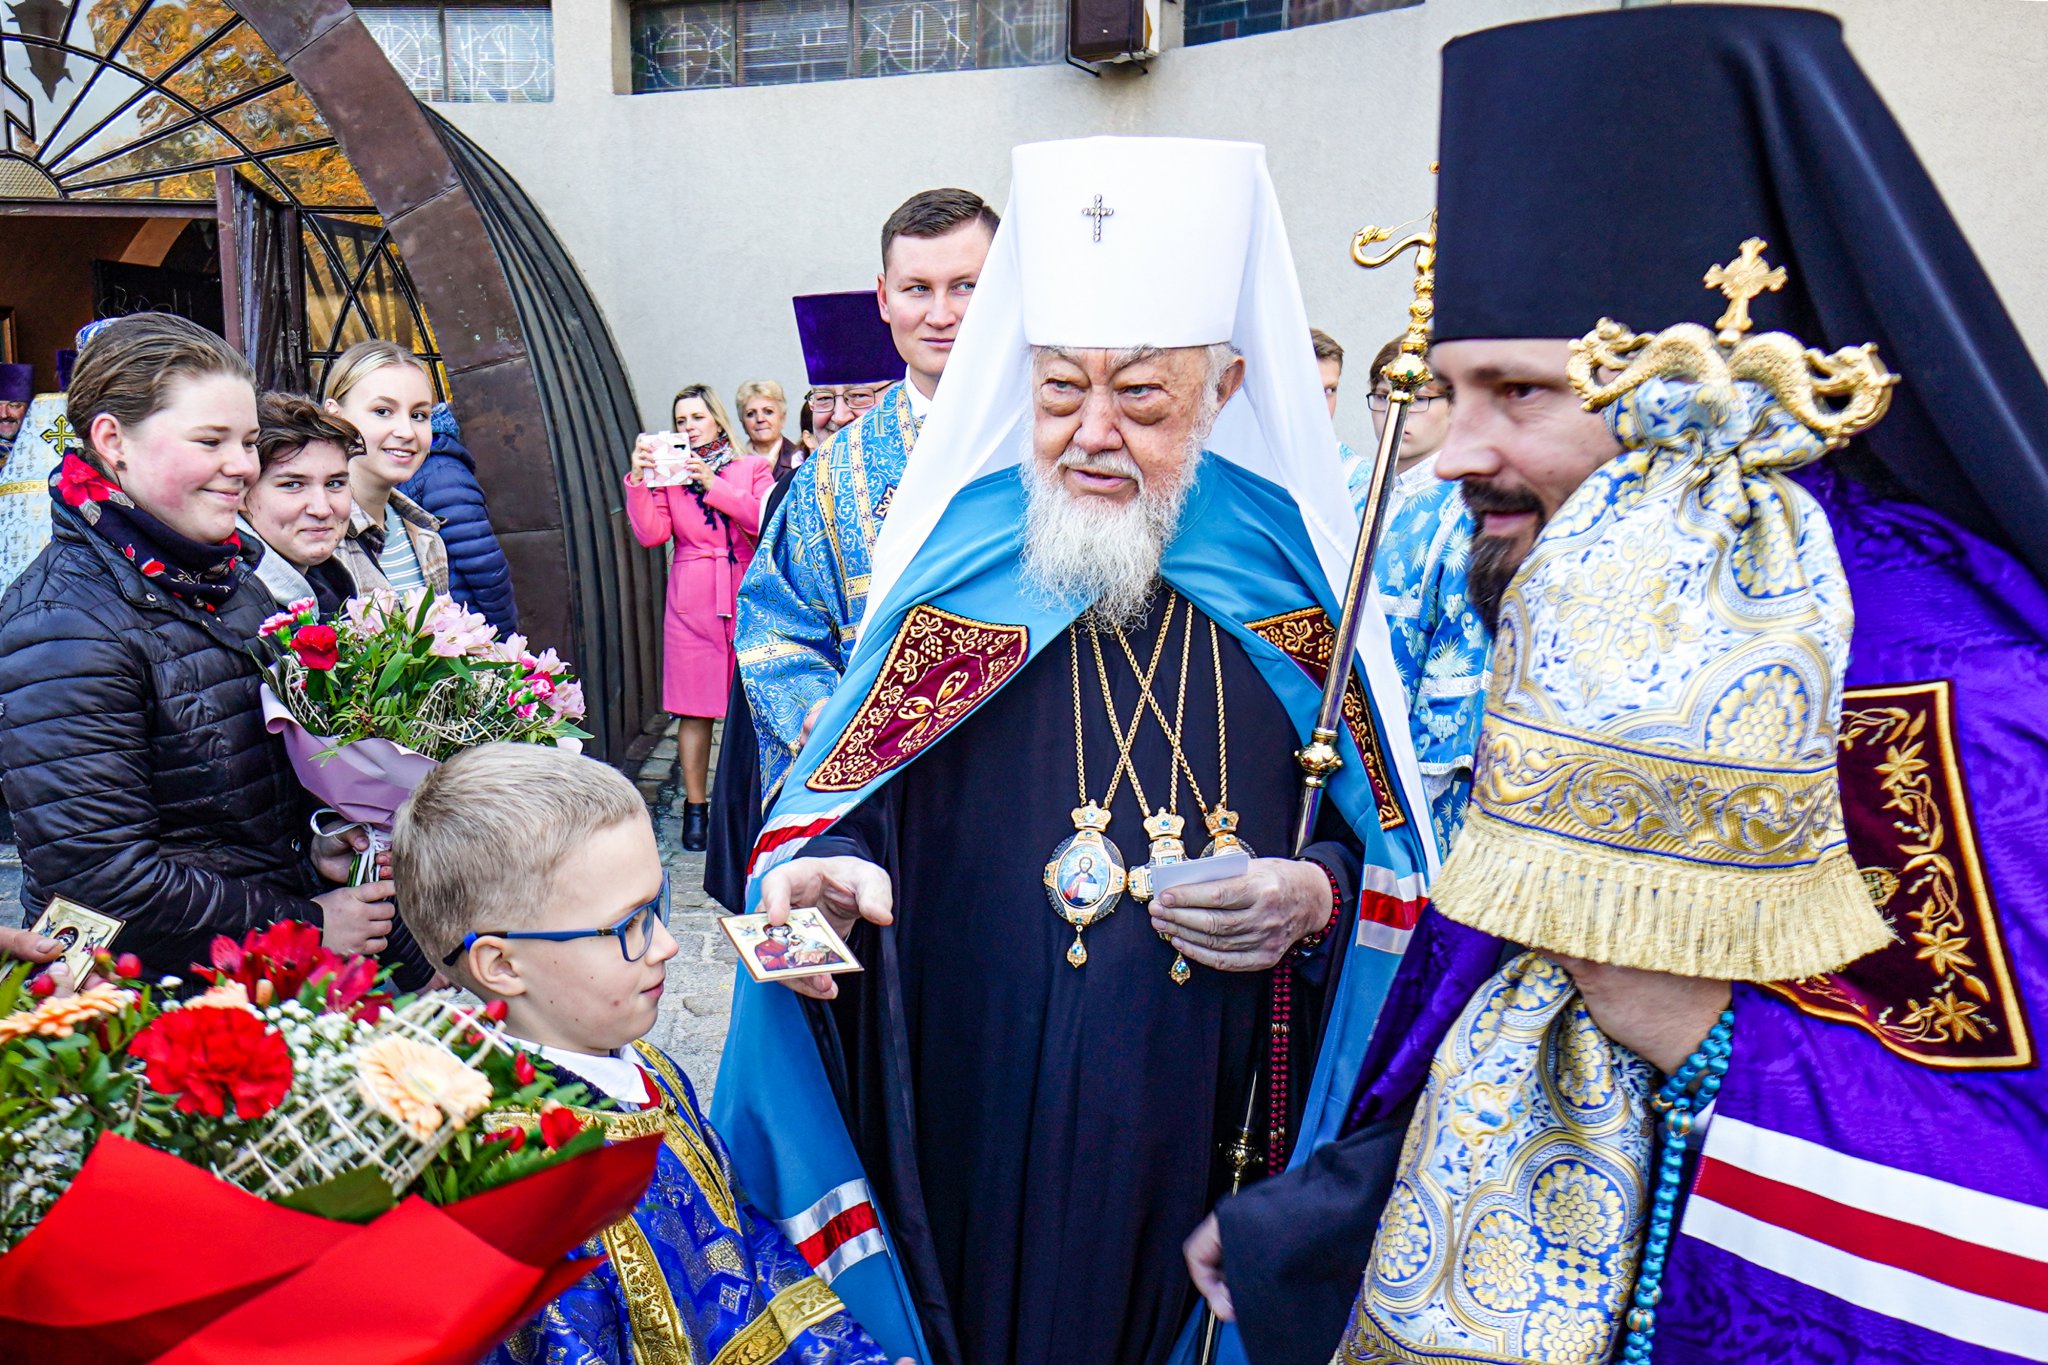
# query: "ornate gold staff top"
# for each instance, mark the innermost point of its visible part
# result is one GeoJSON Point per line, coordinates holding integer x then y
{"type": "Point", "coordinates": [1405, 374]}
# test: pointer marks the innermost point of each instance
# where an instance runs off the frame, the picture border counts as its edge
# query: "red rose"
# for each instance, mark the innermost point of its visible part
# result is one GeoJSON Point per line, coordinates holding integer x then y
{"type": "Point", "coordinates": [211, 1056]}
{"type": "Point", "coordinates": [558, 1125]}
{"type": "Point", "coordinates": [43, 986]}
{"type": "Point", "coordinates": [316, 647]}
{"type": "Point", "coordinates": [514, 1137]}
{"type": "Point", "coordinates": [495, 1011]}
{"type": "Point", "coordinates": [128, 966]}
{"type": "Point", "coordinates": [522, 1069]}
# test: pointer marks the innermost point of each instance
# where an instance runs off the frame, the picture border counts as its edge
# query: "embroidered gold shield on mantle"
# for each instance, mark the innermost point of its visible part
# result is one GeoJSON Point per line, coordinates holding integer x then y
{"type": "Point", "coordinates": [940, 667]}
{"type": "Point", "coordinates": [1308, 638]}
{"type": "Point", "coordinates": [1943, 995]}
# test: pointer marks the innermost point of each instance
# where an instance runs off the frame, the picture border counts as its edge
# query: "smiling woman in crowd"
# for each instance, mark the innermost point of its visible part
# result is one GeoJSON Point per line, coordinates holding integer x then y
{"type": "Point", "coordinates": [384, 392]}
{"type": "Point", "coordinates": [142, 780]}
{"type": "Point", "coordinates": [299, 505]}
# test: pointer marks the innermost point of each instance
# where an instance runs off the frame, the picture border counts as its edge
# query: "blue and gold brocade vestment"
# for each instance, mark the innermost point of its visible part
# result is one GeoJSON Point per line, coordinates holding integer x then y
{"type": "Point", "coordinates": [1441, 646]}
{"type": "Point", "coordinates": [801, 605]}
{"type": "Point", "coordinates": [696, 1276]}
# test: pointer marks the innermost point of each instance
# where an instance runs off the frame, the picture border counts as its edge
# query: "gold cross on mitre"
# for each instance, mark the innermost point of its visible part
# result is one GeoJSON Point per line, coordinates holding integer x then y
{"type": "Point", "coordinates": [1741, 280]}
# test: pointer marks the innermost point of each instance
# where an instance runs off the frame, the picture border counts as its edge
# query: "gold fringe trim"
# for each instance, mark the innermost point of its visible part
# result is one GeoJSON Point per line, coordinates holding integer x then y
{"type": "Point", "coordinates": [1657, 914]}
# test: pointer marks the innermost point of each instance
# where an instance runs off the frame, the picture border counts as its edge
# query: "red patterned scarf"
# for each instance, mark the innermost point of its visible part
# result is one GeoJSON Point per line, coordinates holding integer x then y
{"type": "Point", "coordinates": [201, 574]}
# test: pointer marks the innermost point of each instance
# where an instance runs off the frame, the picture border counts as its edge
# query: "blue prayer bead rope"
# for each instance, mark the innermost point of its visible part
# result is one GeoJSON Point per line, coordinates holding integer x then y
{"type": "Point", "coordinates": [1691, 1088]}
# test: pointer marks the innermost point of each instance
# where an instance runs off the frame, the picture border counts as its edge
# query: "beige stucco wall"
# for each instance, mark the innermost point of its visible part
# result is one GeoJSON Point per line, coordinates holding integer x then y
{"type": "Point", "coordinates": [695, 215]}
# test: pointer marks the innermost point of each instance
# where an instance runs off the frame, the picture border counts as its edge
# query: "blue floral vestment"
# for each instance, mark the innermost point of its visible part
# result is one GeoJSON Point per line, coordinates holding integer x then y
{"type": "Point", "coordinates": [1440, 644]}
{"type": "Point", "coordinates": [801, 604]}
{"type": "Point", "coordinates": [696, 1276]}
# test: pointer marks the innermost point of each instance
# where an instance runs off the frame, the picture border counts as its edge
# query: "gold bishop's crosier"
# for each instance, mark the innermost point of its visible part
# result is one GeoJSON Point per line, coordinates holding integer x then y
{"type": "Point", "coordinates": [1406, 373]}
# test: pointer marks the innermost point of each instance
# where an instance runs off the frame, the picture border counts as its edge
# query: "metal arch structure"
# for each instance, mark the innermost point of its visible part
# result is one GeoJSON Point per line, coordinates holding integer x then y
{"type": "Point", "coordinates": [543, 400]}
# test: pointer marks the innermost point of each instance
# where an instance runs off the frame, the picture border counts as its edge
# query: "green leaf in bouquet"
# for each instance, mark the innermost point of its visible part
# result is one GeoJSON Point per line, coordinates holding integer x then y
{"type": "Point", "coordinates": [353, 1197]}
{"type": "Point", "coordinates": [389, 676]}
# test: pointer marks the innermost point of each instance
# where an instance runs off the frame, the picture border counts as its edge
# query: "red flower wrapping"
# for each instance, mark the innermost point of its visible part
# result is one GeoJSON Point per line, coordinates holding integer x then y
{"type": "Point", "coordinates": [211, 1057]}
{"type": "Point", "coordinates": [316, 646]}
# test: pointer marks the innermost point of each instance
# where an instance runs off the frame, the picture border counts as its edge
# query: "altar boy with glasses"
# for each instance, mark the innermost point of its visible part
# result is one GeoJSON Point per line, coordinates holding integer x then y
{"type": "Point", "coordinates": [531, 874]}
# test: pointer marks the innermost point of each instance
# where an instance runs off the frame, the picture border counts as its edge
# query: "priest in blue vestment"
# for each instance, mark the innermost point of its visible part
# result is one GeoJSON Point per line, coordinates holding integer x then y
{"type": "Point", "coordinates": [1105, 610]}
{"type": "Point", "coordinates": [849, 358]}
{"type": "Point", "coordinates": [800, 609]}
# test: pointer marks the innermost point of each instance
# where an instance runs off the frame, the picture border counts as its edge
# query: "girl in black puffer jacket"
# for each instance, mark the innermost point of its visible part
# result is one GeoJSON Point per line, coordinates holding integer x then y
{"type": "Point", "coordinates": [141, 778]}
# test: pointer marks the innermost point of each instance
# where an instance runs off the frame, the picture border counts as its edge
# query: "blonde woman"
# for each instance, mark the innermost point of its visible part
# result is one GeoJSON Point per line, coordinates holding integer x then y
{"type": "Point", "coordinates": [385, 393]}
{"type": "Point", "coordinates": [713, 517]}
{"type": "Point", "coordinates": [763, 410]}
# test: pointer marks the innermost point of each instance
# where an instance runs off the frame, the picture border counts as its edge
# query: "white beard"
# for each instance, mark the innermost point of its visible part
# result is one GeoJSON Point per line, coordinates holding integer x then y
{"type": "Point", "coordinates": [1082, 548]}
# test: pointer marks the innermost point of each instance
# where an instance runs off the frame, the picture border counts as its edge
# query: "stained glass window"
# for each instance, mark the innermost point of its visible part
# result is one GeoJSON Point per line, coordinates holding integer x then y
{"type": "Point", "coordinates": [1210, 21]}
{"type": "Point", "coordinates": [698, 44]}
{"type": "Point", "coordinates": [468, 54]}
{"type": "Point", "coordinates": [145, 100]}
{"type": "Point", "coordinates": [357, 288]}
{"type": "Point", "coordinates": [122, 99]}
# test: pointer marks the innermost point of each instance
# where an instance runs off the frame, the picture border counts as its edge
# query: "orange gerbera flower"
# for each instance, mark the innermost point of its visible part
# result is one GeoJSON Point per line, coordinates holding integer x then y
{"type": "Point", "coordinates": [415, 1085]}
{"type": "Point", "coordinates": [59, 1015]}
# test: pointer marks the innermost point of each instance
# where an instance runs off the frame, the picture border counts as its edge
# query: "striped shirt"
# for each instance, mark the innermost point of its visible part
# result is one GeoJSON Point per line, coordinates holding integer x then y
{"type": "Point", "coordinates": [400, 564]}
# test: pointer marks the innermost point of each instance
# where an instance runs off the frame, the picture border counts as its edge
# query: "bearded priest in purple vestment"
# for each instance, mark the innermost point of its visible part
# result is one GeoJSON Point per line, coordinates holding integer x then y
{"type": "Point", "coordinates": [1871, 1185]}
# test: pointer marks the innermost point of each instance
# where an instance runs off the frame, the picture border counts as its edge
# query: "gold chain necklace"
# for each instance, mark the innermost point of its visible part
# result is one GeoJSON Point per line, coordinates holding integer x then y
{"type": "Point", "coordinates": [1085, 879]}
{"type": "Point", "coordinates": [1221, 821]}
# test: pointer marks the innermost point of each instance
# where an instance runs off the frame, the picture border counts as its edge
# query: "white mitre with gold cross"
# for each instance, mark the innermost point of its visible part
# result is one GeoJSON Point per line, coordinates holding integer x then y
{"type": "Point", "coordinates": [1124, 242]}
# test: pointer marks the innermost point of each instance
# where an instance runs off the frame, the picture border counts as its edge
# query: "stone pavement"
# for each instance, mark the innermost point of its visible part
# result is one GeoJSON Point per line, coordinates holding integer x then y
{"type": "Point", "coordinates": [698, 1000]}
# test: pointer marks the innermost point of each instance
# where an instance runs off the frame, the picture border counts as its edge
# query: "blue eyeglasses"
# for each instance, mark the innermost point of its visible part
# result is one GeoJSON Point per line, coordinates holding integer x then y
{"type": "Point", "coordinates": [635, 932]}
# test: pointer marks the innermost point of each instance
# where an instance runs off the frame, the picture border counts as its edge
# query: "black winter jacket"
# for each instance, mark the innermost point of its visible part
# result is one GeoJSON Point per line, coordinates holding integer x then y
{"type": "Point", "coordinates": [142, 780]}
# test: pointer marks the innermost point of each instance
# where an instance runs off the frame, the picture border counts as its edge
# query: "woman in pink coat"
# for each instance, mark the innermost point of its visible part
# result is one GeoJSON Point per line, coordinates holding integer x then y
{"type": "Point", "coordinates": [707, 501]}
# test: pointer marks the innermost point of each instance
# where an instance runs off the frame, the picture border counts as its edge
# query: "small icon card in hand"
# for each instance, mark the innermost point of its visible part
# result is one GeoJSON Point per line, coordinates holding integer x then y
{"type": "Point", "coordinates": [83, 933]}
{"type": "Point", "coordinates": [805, 946]}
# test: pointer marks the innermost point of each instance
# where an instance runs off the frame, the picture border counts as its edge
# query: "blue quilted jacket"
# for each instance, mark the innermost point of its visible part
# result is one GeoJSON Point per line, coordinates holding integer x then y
{"type": "Point", "coordinates": [446, 485]}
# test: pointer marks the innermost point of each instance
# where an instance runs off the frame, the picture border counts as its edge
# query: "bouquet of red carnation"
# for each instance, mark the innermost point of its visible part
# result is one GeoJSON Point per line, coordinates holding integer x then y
{"type": "Point", "coordinates": [367, 704]}
{"type": "Point", "coordinates": [320, 1134]}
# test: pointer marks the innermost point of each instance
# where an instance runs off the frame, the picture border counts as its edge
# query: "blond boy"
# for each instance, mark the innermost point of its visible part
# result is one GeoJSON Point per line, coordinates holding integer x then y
{"type": "Point", "coordinates": [531, 875]}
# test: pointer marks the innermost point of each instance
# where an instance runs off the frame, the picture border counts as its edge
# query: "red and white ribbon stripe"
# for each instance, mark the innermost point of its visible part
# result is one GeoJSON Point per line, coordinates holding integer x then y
{"type": "Point", "coordinates": [838, 1231]}
{"type": "Point", "coordinates": [1949, 1259]}
{"type": "Point", "coordinates": [785, 836]}
{"type": "Point", "coordinates": [1389, 906]}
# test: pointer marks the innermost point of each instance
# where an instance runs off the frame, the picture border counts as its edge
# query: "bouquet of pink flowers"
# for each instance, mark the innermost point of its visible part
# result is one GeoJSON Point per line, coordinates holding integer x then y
{"type": "Point", "coordinates": [369, 703]}
{"type": "Point", "coordinates": [421, 671]}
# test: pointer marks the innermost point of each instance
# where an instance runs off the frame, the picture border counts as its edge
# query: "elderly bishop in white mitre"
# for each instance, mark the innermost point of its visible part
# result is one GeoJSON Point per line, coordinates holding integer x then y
{"type": "Point", "coordinates": [1105, 599]}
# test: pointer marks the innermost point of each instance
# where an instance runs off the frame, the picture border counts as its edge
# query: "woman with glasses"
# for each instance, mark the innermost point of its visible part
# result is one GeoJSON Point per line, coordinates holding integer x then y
{"type": "Point", "coordinates": [706, 502]}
